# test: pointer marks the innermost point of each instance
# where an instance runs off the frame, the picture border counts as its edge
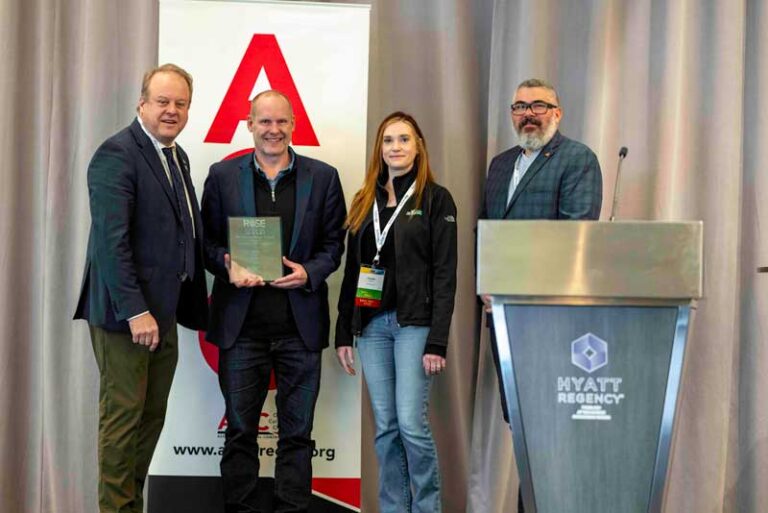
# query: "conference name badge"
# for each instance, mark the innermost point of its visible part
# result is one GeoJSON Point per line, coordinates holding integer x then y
{"type": "Point", "coordinates": [370, 286]}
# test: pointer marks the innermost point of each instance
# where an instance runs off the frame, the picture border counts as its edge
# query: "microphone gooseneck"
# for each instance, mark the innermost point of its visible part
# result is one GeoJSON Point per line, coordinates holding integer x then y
{"type": "Point", "coordinates": [622, 155]}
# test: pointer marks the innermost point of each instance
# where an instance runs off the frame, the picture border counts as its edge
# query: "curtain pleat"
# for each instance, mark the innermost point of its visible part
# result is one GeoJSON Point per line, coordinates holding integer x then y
{"type": "Point", "coordinates": [681, 83]}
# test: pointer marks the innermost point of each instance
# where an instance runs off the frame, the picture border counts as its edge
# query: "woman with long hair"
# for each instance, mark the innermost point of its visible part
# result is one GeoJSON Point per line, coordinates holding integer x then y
{"type": "Point", "coordinates": [396, 302]}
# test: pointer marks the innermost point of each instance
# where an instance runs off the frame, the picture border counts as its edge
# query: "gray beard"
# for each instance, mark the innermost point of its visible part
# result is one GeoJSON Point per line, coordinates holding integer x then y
{"type": "Point", "coordinates": [534, 141]}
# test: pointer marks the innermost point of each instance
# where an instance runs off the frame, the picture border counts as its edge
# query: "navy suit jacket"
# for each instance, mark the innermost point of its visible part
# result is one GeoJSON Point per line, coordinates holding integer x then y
{"type": "Point", "coordinates": [564, 182]}
{"type": "Point", "coordinates": [135, 247]}
{"type": "Point", "coordinates": [317, 243]}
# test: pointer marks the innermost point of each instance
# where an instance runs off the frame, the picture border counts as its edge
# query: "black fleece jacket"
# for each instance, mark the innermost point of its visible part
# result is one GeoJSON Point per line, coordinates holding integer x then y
{"type": "Point", "coordinates": [425, 273]}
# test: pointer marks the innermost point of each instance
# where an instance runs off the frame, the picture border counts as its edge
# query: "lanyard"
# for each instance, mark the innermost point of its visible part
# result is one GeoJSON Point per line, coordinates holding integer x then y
{"type": "Point", "coordinates": [381, 235]}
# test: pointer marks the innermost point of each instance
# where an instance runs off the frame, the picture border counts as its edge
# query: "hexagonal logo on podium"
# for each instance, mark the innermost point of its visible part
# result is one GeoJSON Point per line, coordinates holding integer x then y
{"type": "Point", "coordinates": [589, 353]}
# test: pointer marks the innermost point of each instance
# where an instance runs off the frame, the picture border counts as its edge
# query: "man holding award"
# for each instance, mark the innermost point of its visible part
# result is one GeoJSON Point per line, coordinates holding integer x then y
{"type": "Point", "coordinates": [268, 213]}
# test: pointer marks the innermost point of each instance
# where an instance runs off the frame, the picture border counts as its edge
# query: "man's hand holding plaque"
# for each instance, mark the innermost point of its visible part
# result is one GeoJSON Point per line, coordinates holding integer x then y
{"type": "Point", "coordinates": [255, 251]}
{"type": "Point", "coordinates": [297, 278]}
{"type": "Point", "coordinates": [240, 276]}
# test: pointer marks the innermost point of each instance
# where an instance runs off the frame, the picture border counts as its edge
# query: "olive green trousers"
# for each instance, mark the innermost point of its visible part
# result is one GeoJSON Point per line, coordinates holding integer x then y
{"type": "Point", "coordinates": [133, 394]}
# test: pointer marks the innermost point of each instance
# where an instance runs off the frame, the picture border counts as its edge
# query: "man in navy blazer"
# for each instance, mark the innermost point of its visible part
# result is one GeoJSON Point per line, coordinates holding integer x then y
{"type": "Point", "coordinates": [281, 326]}
{"type": "Point", "coordinates": [143, 274]}
{"type": "Point", "coordinates": [546, 176]}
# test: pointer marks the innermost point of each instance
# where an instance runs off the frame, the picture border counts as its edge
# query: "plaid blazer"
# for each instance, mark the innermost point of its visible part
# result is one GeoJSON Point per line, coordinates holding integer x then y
{"type": "Point", "coordinates": [564, 182]}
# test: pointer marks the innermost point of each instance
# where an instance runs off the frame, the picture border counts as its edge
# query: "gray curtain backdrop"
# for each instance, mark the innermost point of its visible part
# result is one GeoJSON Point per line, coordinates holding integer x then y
{"type": "Point", "coordinates": [678, 82]}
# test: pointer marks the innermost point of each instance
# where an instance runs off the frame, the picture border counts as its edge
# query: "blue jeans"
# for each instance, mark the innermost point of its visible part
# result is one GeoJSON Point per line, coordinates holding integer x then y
{"type": "Point", "coordinates": [391, 357]}
{"type": "Point", "coordinates": [244, 372]}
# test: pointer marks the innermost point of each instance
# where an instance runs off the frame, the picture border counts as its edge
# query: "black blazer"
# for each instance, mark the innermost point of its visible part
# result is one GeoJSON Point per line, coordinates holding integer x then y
{"type": "Point", "coordinates": [425, 251]}
{"type": "Point", "coordinates": [135, 247]}
{"type": "Point", "coordinates": [317, 243]}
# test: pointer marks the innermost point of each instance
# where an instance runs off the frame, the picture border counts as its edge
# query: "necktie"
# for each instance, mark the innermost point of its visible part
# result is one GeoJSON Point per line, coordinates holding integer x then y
{"type": "Point", "coordinates": [188, 270]}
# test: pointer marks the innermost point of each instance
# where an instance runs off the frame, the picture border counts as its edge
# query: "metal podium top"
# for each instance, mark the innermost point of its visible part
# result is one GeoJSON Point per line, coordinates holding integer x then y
{"type": "Point", "coordinates": [589, 259]}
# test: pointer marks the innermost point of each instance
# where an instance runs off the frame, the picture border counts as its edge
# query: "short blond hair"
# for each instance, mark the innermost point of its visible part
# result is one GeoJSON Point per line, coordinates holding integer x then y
{"type": "Point", "coordinates": [271, 92]}
{"type": "Point", "coordinates": [165, 68]}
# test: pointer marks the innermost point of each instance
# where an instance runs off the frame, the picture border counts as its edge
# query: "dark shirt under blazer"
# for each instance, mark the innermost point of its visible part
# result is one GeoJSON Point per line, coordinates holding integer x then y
{"type": "Point", "coordinates": [317, 243]}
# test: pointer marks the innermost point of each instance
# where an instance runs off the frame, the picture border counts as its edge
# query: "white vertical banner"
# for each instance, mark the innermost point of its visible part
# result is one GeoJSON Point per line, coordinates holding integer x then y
{"type": "Point", "coordinates": [317, 54]}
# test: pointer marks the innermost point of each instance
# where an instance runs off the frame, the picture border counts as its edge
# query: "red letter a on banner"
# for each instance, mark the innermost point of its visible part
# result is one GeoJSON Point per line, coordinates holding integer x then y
{"type": "Point", "coordinates": [263, 52]}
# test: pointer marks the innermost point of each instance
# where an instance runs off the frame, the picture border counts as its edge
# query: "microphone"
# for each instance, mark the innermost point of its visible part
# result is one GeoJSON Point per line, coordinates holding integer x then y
{"type": "Point", "coordinates": [622, 155]}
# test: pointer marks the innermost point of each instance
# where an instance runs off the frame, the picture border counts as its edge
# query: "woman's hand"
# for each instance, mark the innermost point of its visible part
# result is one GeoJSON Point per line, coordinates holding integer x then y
{"type": "Point", "coordinates": [433, 364]}
{"type": "Point", "coordinates": [346, 359]}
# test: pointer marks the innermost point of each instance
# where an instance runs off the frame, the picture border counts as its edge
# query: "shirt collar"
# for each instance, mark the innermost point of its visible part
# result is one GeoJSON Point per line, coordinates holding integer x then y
{"type": "Point", "coordinates": [157, 144]}
{"type": "Point", "coordinates": [531, 157]}
{"type": "Point", "coordinates": [283, 171]}
{"type": "Point", "coordinates": [399, 183]}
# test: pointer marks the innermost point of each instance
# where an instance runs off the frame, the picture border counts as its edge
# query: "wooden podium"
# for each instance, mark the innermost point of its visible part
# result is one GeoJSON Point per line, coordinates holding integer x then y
{"type": "Point", "coordinates": [591, 321]}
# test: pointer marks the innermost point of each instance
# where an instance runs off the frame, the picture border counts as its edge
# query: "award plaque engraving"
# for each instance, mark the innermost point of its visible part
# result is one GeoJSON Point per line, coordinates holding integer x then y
{"type": "Point", "coordinates": [255, 246]}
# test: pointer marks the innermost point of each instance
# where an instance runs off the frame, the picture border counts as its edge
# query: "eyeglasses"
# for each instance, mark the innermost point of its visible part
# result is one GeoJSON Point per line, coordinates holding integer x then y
{"type": "Point", "coordinates": [537, 107]}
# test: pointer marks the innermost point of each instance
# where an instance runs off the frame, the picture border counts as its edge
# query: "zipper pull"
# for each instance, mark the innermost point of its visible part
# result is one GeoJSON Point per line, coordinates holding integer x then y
{"type": "Point", "coordinates": [273, 195]}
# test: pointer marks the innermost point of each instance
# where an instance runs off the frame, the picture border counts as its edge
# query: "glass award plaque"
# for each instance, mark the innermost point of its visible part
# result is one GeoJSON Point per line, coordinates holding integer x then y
{"type": "Point", "coordinates": [256, 246]}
